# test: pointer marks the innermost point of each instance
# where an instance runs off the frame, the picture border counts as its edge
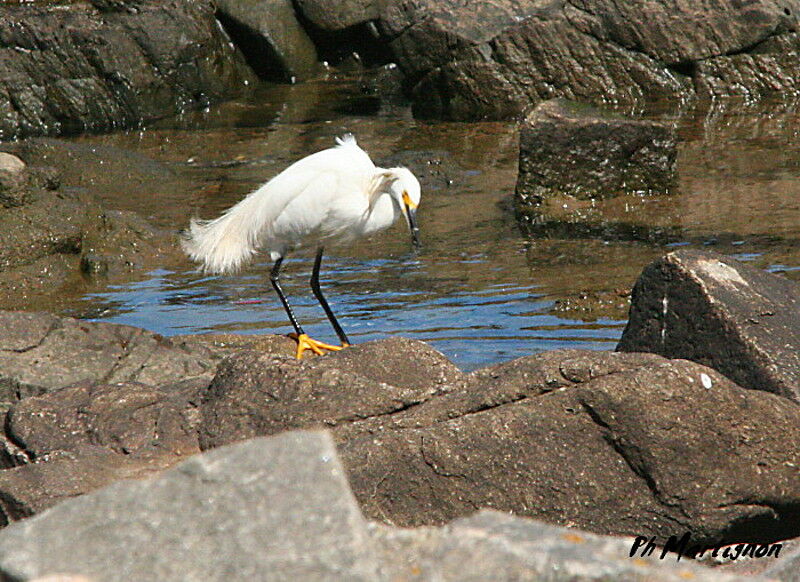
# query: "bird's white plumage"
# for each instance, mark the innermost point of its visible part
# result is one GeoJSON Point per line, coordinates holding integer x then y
{"type": "Point", "coordinates": [334, 194]}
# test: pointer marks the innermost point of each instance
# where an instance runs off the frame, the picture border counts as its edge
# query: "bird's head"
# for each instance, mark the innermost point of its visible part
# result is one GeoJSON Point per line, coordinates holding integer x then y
{"type": "Point", "coordinates": [404, 189]}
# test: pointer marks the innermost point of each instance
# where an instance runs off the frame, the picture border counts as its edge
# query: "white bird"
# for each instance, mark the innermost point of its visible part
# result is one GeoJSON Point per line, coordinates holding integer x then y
{"type": "Point", "coordinates": [335, 195]}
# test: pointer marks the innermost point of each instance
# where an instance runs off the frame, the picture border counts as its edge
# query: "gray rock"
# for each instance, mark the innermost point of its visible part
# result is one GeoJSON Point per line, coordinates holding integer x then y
{"type": "Point", "coordinates": [11, 163]}
{"type": "Point", "coordinates": [496, 546]}
{"type": "Point", "coordinates": [49, 353]}
{"type": "Point", "coordinates": [787, 569]}
{"type": "Point", "coordinates": [277, 508]}
{"type": "Point", "coordinates": [708, 308]}
{"type": "Point", "coordinates": [570, 150]}
{"type": "Point", "coordinates": [70, 68]}
{"type": "Point", "coordinates": [274, 43]}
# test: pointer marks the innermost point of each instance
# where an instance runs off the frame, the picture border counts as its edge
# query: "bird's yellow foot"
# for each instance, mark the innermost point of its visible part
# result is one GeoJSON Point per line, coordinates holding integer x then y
{"type": "Point", "coordinates": [306, 343]}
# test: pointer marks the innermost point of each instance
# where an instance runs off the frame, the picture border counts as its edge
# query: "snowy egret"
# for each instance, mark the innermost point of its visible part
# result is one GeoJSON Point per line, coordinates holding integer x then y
{"type": "Point", "coordinates": [335, 195]}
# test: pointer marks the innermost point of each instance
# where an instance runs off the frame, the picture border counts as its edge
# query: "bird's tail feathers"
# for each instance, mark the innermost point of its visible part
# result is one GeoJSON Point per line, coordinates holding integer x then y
{"type": "Point", "coordinates": [227, 243]}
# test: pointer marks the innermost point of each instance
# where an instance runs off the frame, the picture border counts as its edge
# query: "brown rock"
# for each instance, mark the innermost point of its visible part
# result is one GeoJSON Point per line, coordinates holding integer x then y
{"type": "Point", "coordinates": [27, 490]}
{"type": "Point", "coordinates": [40, 353]}
{"type": "Point", "coordinates": [69, 67]}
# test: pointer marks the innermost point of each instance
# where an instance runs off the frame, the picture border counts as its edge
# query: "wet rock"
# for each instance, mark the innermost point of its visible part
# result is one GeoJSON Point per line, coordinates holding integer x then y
{"type": "Point", "coordinates": [268, 33]}
{"type": "Point", "coordinates": [580, 152]}
{"type": "Point", "coordinates": [127, 418]}
{"type": "Point", "coordinates": [50, 235]}
{"type": "Point", "coordinates": [497, 60]}
{"type": "Point", "coordinates": [41, 353]}
{"type": "Point", "coordinates": [714, 310]}
{"type": "Point", "coordinates": [334, 16]}
{"type": "Point", "coordinates": [565, 448]}
{"type": "Point", "coordinates": [256, 394]}
{"type": "Point", "coordinates": [72, 68]}
{"type": "Point", "coordinates": [278, 505]}
{"type": "Point", "coordinates": [214, 517]}
{"type": "Point", "coordinates": [31, 489]}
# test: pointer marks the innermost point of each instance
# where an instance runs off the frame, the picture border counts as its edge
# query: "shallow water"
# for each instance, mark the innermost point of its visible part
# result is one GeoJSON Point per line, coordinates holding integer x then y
{"type": "Point", "coordinates": [479, 290]}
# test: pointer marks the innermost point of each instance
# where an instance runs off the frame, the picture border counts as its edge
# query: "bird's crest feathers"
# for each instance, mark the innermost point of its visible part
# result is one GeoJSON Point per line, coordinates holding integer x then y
{"type": "Point", "coordinates": [346, 140]}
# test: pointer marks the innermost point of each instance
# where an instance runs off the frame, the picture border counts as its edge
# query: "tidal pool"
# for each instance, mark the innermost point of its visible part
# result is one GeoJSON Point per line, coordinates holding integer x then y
{"type": "Point", "coordinates": [479, 290]}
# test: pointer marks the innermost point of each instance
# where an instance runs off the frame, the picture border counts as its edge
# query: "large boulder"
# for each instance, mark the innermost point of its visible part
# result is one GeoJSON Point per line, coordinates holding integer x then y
{"type": "Point", "coordinates": [578, 151]}
{"type": "Point", "coordinates": [280, 508]}
{"type": "Point", "coordinates": [607, 450]}
{"type": "Point", "coordinates": [273, 41]}
{"type": "Point", "coordinates": [266, 506]}
{"type": "Point", "coordinates": [75, 67]}
{"type": "Point", "coordinates": [714, 310]}
{"type": "Point", "coordinates": [498, 59]}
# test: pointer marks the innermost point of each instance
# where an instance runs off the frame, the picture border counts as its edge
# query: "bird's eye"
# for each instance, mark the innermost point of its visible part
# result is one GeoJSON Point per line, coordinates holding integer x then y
{"type": "Point", "coordinates": [407, 201]}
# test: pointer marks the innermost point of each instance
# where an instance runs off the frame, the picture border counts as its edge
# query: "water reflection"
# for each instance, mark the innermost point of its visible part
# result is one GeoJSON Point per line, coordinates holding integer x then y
{"type": "Point", "coordinates": [479, 290]}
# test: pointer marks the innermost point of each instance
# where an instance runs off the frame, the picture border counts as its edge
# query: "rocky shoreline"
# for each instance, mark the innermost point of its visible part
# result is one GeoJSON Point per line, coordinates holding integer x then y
{"type": "Point", "coordinates": [125, 455]}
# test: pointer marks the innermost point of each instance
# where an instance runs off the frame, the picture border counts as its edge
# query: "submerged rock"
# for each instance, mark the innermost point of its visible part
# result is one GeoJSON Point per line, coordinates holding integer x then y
{"type": "Point", "coordinates": [52, 233]}
{"type": "Point", "coordinates": [575, 151]}
{"type": "Point", "coordinates": [719, 312]}
{"type": "Point", "coordinates": [72, 67]}
{"type": "Point", "coordinates": [281, 508]}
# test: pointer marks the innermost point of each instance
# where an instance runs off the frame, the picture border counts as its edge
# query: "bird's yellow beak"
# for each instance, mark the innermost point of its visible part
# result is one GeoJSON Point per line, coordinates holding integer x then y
{"type": "Point", "coordinates": [411, 216]}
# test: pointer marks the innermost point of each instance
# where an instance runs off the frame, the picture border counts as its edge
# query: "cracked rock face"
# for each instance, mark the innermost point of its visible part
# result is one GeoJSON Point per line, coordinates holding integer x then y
{"type": "Point", "coordinates": [40, 353]}
{"type": "Point", "coordinates": [705, 307]}
{"type": "Point", "coordinates": [257, 394]}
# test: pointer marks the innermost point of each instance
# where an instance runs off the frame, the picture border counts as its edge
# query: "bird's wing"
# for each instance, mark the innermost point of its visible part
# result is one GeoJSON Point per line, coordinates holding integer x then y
{"type": "Point", "coordinates": [308, 209]}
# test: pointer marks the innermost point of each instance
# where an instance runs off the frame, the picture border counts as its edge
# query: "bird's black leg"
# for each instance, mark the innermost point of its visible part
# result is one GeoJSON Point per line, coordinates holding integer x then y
{"type": "Point", "coordinates": [274, 277]}
{"type": "Point", "coordinates": [303, 341]}
{"type": "Point", "coordinates": [321, 298]}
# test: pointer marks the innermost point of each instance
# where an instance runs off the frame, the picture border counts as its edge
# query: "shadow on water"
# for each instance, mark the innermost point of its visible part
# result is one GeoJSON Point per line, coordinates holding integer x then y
{"type": "Point", "coordinates": [480, 291]}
